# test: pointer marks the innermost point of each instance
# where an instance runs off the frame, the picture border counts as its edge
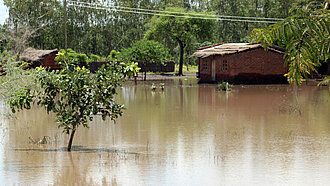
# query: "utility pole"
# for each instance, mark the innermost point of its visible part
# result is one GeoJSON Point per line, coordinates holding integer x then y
{"type": "Point", "coordinates": [65, 30]}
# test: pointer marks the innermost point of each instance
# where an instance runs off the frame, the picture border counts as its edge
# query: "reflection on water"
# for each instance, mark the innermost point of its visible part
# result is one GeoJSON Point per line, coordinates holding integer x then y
{"type": "Point", "coordinates": [188, 134]}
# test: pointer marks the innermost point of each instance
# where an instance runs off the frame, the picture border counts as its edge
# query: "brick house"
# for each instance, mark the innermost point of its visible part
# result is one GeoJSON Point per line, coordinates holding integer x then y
{"type": "Point", "coordinates": [45, 58]}
{"type": "Point", "coordinates": [241, 63]}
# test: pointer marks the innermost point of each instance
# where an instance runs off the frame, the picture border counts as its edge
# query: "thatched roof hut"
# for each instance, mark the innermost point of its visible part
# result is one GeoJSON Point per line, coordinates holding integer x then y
{"type": "Point", "coordinates": [33, 55]}
{"type": "Point", "coordinates": [44, 58]}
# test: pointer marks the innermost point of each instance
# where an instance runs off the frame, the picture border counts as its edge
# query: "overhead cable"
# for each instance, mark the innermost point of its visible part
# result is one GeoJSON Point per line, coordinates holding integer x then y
{"type": "Point", "coordinates": [184, 15]}
{"type": "Point", "coordinates": [171, 12]}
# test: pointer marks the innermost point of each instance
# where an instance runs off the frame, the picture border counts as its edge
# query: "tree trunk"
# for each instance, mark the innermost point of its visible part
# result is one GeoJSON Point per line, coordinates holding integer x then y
{"type": "Point", "coordinates": [135, 81]}
{"type": "Point", "coordinates": [65, 30]}
{"type": "Point", "coordinates": [181, 57]}
{"type": "Point", "coordinates": [71, 137]}
{"type": "Point", "coordinates": [145, 76]}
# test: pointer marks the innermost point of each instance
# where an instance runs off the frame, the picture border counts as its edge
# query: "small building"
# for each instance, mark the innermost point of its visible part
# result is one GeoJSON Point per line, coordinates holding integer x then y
{"type": "Point", "coordinates": [45, 58]}
{"type": "Point", "coordinates": [241, 63]}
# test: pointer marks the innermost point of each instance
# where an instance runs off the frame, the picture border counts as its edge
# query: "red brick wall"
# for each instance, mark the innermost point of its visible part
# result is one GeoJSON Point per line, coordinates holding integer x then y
{"type": "Point", "coordinates": [49, 61]}
{"type": "Point", "coordinates": [256, 63]}
{"type": "Point", "coordinates": [205, 73]}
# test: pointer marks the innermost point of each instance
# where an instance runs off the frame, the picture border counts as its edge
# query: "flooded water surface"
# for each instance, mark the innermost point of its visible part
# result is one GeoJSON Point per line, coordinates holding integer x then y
{"type": "Point", "coordinates": [188, 134]}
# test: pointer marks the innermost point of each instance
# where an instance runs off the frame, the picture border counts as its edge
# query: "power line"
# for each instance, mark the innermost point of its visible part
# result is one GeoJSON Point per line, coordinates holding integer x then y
{"type": "Point", "coordinates": [170, 14]}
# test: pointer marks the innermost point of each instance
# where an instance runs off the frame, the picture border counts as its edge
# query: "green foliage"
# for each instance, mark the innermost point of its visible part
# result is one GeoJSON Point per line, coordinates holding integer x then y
{"type": "Point", "coordinates": [204, 44]}
{"type": "Point", "coordinates": [183, 31]}
{"type": "Point", "coordinates": [74, 94]}
{"type": "Point", "coordinates": [89, 30]}
{"type": "Point", "coordinates": [100, 31]}
{"type": "Point", "coordinates": [82, 58]}
{"type": "Point", "coordinates": [94, 58]}
{"type": "Point", "coordinates": [72, 56]}
{"type": "Point", "coordinates": [224, 86]}
{"type": "Point", "coordinates": [2, 42]}
{"type": "Point", "coordinates": [113, 56]}
{"type": "Point", "coordinates": [14, 75]}
{"type": "Point", "coordinates": [162, 86]}
{"type": "Point", "coordinates": [306, 36]}
{"type": "Point", "coordinates": [325, 81]}
{"type": "Point", "coordinates": [131, 69]}
{"type": "Point", "coordinates": [146, 51]}
{"type": "Point", "coordinates": [155, 86]}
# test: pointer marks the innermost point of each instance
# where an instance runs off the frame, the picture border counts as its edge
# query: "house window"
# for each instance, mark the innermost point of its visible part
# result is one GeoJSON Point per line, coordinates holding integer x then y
{"type": "Point", "coordinates": [224, 65]}
{"type": "Point", "coordinates": [204, 66]}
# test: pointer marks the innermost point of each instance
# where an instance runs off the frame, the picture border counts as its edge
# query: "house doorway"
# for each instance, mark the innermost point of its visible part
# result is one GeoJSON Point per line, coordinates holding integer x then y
{"type": "Point", "coordinates": [213, 69]}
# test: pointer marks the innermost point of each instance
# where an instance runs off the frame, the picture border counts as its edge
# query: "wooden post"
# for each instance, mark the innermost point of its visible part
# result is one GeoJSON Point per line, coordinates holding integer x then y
{"type": "Point", "coordinates": [135, 76]}
{"type": "Point", "coordinates": [65, 30]}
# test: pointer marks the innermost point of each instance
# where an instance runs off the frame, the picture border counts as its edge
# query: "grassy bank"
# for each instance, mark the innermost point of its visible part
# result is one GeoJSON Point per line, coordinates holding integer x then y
{"type": "Point", "coordinates": [185, 70]}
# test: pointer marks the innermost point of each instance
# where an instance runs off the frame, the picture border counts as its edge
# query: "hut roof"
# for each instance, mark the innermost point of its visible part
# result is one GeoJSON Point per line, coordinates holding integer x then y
{"type": "Point", "coordinates": [230, 48]}
{"type": "Point", "coordinates": [31, 54]}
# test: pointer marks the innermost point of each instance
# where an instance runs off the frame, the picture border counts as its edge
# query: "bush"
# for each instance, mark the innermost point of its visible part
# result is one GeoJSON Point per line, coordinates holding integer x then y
{"type": "Point", "coordinates": [82, 58]}
{"type": "Point", "coordinates": [94, 58]}
{"type": "Point", "coordinates": [224, 86]}
{"type": "Point", "coordinates": [113, 55]}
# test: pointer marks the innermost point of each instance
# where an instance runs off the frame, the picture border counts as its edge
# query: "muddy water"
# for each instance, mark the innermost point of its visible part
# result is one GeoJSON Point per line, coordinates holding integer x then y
{"type": "Point", "coordinates": [188, 134]}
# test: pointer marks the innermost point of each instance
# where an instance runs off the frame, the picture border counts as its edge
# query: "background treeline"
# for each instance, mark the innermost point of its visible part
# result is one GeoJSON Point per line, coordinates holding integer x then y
{"type": "Point", "coordinates": [95, 31]}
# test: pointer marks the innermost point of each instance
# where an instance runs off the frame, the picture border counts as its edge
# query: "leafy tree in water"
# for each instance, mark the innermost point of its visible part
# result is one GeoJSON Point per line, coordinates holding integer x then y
{"type": "Point", "coordinates": [183, 30]}
{"type": "Point", "coordinates": [74, 94]}
{"type": "Point", "coordinates": [306, 36]}
{"type": "Point", "coordinates": [145, 51]}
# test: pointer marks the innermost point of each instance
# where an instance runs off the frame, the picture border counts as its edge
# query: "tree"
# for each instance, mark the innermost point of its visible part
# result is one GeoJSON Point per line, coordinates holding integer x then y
{"type": "Point", "coordinates": [306, 36]}
{"type": "Point", "coordinates": [19, 39]}
{"type": "Point", "coordinates": [2, 39]}
{"type": "Point", "coordinates": [183, 29]}
{"type": "Point", "coordinates": [74, 94]}
{"type": "Point", "coordinates": [13, 75]}
{"type": "Point", "coordinates": [98, 31]}
{"type": "Point", "coordinates": [113, 55]}
{"type": "Point", "coordinates": [35, 15]}
{"type": "Point", "coordinates": [145, 51]}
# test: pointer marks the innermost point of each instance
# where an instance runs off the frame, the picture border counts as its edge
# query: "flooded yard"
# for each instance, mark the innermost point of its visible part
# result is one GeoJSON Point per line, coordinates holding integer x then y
{"type": "Point", "coordinates": [188, 134]}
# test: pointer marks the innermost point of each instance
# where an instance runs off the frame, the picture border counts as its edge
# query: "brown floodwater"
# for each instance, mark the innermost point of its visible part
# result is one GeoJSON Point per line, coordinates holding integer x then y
{"type": "Point", "coordinates": [188, 134]}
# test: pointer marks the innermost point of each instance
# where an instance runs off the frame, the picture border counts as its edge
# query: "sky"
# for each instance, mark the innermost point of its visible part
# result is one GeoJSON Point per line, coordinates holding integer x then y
{"type": "Point", "coordinates": [3, 12]}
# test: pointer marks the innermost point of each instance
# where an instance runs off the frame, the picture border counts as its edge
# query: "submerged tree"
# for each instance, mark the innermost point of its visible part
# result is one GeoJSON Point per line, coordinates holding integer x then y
{"type": "Point", "coordinates": [306, 36]}
{"type": "Point", "coordinates": [184, 29]}
{"type": "Point", "coordinates": [74, 94]}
